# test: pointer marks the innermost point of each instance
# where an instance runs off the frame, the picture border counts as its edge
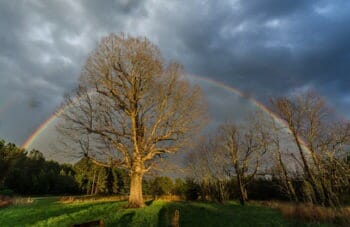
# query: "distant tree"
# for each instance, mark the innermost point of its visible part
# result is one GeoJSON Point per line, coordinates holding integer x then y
{"type": "Point", "coordinates": [192, 189]}
{"type": "Point", "coordinates": [276, 139]}
{"type": "Point", "coordinates": [36, 155]}
{"type": "Point", "coordinates": [161, 186]}
{"type": "Point", "coordinates": [92, 178]}
{"type": "Point", "coordinates": [179, 187]}
{"type": "Point", "coordinates": [122, 181]}
{"type": "Point", "coordinates": [95, 179]}
{"type": "Point", "coordinates": [208, 164]}
{"type": "Point", "coordinates": [245, 148]}
{"type": "Point", "coordinates": [28, 173]}
{"type": "Point", "coordinates": [131, 108]}
{"type": "Point", "coordinates": [8, 154]}
{"type": "Point", "coordinates": [322, 141]}
{"type": "Point", "coordinates": [82, 176]}
{"type": "Point", "coordinates": [109, 181]}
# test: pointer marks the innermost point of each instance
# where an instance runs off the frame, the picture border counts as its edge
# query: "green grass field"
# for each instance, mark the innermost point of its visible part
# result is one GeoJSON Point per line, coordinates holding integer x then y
{"type": "Point", "coordinates": [52, 212]}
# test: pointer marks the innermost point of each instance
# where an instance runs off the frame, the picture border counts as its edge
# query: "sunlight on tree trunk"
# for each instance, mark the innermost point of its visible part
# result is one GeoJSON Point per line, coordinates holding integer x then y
{"type": "Point", "coordinates": [135, 198]}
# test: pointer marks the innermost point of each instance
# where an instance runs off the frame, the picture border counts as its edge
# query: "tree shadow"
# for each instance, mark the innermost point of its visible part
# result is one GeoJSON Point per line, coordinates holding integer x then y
{"type": "Point", "coordinates": [126, 219]}
{"type": "Point", "coordinates": [149, 202]}
{"type": "Point", "coordinates": [214, 214]}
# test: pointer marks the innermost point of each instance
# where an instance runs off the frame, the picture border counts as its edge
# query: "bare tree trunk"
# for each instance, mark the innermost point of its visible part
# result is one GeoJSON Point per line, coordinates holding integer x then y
{"type": "Point", "coordinates": [307, 169]}
{"type": "Point", "coordinates": [135, 197]}
{"type": "Point", "coordinates": [96, 184]}
{"type": "Point", "coordinates": [308, 118]}
{"type": "Point", "coordinates": [329, 198]}
{"type": "Point", "coordinates": [288, 183]}
{"type": "Point", "coordinates": [242, 191]}
{"type": "Point", "coordinates": [291, 190]}
{"type": "Point", "coordinates": [93, 184]}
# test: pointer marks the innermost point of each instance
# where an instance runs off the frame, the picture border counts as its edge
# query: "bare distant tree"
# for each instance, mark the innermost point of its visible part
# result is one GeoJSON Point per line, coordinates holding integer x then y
{"type": "Point", "coordinates": [277, 140]}
{"type": "Point", "coordinates": [321, 140]}
{"type": "Point", "coordinates": [208, 165]}
{"type": "Point", "coordinates": [131, 108]}
{"type": "Point", "coordinates": [245, 148]}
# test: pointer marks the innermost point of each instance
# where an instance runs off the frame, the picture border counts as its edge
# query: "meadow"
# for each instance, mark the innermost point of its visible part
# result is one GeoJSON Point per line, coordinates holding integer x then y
{"type": "Point", "coordinates": [53, 211]}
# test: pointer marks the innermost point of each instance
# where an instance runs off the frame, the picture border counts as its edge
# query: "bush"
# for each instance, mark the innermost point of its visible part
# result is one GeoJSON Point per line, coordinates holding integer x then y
{"type": "Point", "coordinates": [192, 190]}
{"type": "Point", "coordinates": [262, 189]}
{"type": "Point", "coordinates": [6, 192]}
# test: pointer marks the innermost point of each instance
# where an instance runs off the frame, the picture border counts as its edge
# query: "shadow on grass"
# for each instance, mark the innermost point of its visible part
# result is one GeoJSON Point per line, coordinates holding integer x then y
{"type": "Point", "coordinates": [41, 211]}
{"type": "Point", "coordinates": [214, 214]}
{"type": "Point", "coordinates": [126, 219]}
{"type": "Point", "coordinates": [149, 202]}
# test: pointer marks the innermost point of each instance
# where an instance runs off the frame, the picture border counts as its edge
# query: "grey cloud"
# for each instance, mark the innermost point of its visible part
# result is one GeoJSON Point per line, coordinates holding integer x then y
{"type": "Point", "coordinates": [264, 48]}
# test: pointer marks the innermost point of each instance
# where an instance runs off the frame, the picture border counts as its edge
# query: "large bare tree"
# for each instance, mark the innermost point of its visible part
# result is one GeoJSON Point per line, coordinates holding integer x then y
{"type": "Point", "coordinates": [131, 108]}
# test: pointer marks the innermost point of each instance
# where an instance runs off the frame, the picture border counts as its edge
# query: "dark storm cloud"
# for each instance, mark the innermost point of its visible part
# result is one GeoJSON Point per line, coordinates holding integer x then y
{"type": "Point", "coordinates": [265, 48]}
{"type": "Point", "coordinates": [269, 48]}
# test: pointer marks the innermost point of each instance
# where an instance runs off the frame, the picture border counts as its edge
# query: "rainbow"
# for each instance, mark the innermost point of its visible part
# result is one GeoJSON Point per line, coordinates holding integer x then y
{"type": "Point", "coordinates": [255, 102]}
{"type": "Point", "coordinates": [242, 94]}
{"type": "Point", "coordinates": [54, 116]}
{"type": "Point", "coordinates": [41, 128]}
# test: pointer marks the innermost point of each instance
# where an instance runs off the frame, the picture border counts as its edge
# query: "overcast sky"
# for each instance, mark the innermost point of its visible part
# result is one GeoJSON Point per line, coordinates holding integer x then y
{"type": "Point", "coordinates": [265, 48]}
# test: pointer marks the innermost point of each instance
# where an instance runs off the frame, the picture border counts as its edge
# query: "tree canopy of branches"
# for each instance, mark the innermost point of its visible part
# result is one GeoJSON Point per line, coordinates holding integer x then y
{"type": "Point", "coordinates": [208, 164]}
{"type": "Point", "coordinates": [322, 141]}
{"type": "Point", "coordinates": [131, 108]}
{"type": "Point", "coordinates": [245, 148]}
{"type": "Point", "coordinates": [234, 151]}
{"type": "Point", "coordinates": [95, 179]}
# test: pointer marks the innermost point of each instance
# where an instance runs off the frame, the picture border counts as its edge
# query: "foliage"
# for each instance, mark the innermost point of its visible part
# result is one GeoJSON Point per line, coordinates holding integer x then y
{"type": "Point", "coordinates": [8, 153]}
{"type": "Point", "coordinates": [179, 187]}
{"type": "Point", "coordinates": [28, 173]}
{"type": "Point", "coordinates": [161, 186]}
{"type": "Point", "coordinates": [6, 192]}
{"type": "Point", "coordinates": [192, 189]}
{"type": "Point", "coordinates": [94, 179]}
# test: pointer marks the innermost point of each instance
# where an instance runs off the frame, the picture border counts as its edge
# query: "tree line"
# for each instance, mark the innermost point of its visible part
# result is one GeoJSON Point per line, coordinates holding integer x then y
{"type": "Point", "coordinates": [304, 154]}
{"type": "Point", "coordinates": [28, 173]}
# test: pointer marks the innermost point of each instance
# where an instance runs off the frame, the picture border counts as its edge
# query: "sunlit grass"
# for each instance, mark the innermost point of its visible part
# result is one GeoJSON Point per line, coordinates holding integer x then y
{"type": "Point", "coordinates": [54, 212]}
{"type": "Point", "coordinates": [44, 212]}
